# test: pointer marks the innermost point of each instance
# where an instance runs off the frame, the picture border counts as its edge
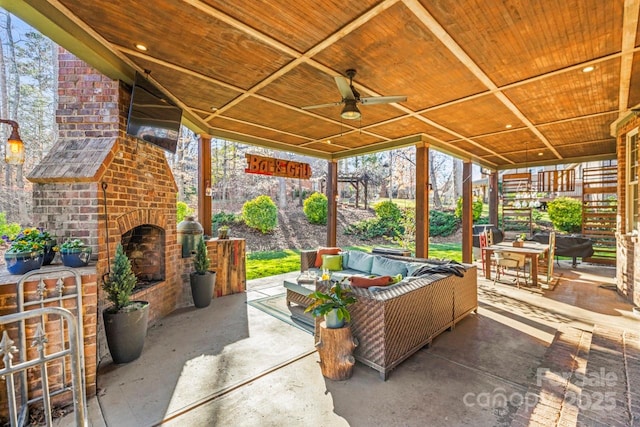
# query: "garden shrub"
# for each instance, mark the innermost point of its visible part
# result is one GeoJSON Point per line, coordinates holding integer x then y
{"type": "Point", "coordinates": [387, 211]}
{"type": "Point", "coordinates": [182, 210]}
{"type": "Point", "coordinates": [8, 230]}
{"type": "Point", "coordinates": [260, 213]}
{"type": "Point", "coordinates": [223, 218]}
{"type": "Point", "coordinates": [315, 208]}
{"type": "Point", "coordinates": [565, 214]}
{"type": "Point", "coordinates": [442, 223]}
{"type": "Point", "coordinates": [476, 208]}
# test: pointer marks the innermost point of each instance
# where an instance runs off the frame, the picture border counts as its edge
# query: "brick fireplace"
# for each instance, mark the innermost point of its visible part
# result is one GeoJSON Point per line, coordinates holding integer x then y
{"type": "Point", "coordinates": [96, 178]}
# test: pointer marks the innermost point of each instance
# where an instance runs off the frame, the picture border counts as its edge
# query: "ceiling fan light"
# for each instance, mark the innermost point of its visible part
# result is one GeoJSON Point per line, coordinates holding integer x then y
{"type": "Point", "coordinates": [350, 111]}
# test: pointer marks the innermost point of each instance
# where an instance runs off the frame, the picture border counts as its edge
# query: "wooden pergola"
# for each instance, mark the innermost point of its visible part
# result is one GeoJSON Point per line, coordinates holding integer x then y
{"type": "Point", "coordinates": [485, 81]}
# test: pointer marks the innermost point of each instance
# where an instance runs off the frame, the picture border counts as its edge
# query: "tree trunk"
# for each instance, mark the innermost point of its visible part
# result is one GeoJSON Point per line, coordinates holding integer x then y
{"type": "Point", "coordinates": [457, 178]}
{"type": "Point", "coordinates": [437, 203]}
{"type": "Point", "coordinates": [282, 194]}
{"type": "Point", "coordinates": [335, 348]}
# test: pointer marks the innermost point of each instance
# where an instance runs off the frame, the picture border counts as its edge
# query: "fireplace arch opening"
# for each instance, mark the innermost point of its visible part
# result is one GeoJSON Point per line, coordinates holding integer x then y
{"type": "Point", "coordinates": [145, 247]}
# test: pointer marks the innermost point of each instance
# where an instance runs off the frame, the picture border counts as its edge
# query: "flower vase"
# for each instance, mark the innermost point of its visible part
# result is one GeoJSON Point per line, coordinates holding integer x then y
{"type": "Point", "coordinates": [23, 262]}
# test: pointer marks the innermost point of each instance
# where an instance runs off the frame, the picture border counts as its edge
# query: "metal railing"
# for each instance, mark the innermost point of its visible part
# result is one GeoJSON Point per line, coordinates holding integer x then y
{"type": "Point", "coordinates": [57, 338]}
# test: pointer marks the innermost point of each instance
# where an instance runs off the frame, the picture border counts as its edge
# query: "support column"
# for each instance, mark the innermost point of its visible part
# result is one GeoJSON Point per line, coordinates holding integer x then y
{"type": "Point", "coordinates": [332, 197]}
{"type": "Point", "coordinates": [204, 181]}
{"type": "Point", "coordinates": [422, 201]}
{"type": "Point", "coordinates": [467, 213]}
{"type": "Point", "coordinates": [493, 198]}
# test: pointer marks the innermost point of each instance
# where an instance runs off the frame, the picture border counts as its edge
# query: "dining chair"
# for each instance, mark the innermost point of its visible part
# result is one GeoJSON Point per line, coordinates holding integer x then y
{"type": "Point", "coordinates": [509, 260]}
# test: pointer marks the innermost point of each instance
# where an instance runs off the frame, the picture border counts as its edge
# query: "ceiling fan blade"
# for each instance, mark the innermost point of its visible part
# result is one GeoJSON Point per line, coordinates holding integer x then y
{"type": "Point", "coordinates": [382, 99]}
{"type": "Point", "coordinates": [311, 107]}
{"type": "Point", "coordinates": [344, 88]}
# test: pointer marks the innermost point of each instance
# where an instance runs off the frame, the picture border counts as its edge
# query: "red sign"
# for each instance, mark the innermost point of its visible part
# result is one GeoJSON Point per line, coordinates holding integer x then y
{"type": "Point", "coordinates": [277, 167]}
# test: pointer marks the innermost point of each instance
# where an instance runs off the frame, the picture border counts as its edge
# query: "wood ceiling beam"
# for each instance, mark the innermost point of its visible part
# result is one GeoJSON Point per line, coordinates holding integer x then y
{"type": "Point", "coordinates": [629, 31]}
{"type": "Point", "coordinates": [429, 21]}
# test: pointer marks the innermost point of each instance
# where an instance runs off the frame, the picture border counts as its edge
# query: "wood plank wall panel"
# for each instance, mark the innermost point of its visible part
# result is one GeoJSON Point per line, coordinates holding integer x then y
{"type": "Point", "coordinates": [410, 126]}
{"type": "Point", "coordinates": [476, 117]}
{"type": "Point", "coordinates": [248, 129]}
{"type": "Point", "coordinates": [213, 47]}
{"type": "Point", "coordinates": [199, 93]}
{"type": "Point", "coordinates": [274, 116]}
{"type": "Point", "coordinates": [634, 89]}
{"type": "Point", "coordinates": [565, 96]}
{"type": "Point", "coordinates": [514, 40]}
{"type": "Point", "coordinates": [588, 129]}
{"type": "Point", "coordinates": [299, 24]}
{"type": "Point", "coordinates": [419, 60]}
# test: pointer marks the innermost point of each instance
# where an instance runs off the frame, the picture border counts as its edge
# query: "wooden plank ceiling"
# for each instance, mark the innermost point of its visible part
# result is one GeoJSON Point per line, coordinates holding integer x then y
{"type": "Point", "coordinates": [501, 83]}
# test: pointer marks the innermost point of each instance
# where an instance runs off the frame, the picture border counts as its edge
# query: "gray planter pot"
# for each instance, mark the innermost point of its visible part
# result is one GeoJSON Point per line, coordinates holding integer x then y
{"type": "Point", "coordinates": [332, 320]}
{"type": "Point", "coordinates": [202, 288]}
{"type": "Point", "coordinates": [126, 331]}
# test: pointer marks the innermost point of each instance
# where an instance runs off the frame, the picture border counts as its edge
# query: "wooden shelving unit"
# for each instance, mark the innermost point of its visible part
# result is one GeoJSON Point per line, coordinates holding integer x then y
{"type": "Point", "coordinates": [516, 212]}
{"type": "Point", "coordinates": [599, 210]}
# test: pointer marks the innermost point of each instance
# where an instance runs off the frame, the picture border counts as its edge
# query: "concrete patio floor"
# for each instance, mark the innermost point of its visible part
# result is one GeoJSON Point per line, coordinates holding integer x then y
{"type": "Point", "coordinates": [231, 364]}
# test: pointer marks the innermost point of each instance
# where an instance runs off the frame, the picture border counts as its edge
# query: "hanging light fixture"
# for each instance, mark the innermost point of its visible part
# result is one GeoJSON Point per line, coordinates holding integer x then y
{"type": "Point", "coordinates": [350, 110]}
{"type": "Point", "coordinates": [14, 149]}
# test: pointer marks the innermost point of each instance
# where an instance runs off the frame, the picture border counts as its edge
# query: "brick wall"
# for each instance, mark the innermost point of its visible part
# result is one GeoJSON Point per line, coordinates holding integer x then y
{"type": "Point", "coordinates": [8, 305]}
{"type": "Point", "coordinates": [93, 159]}
{"type": "Point", "coordinates": [628, 259]}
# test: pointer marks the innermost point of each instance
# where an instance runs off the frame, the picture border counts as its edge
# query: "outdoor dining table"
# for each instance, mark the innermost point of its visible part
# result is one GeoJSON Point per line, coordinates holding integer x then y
{"type": "Point", "coordinates": [531, 250]}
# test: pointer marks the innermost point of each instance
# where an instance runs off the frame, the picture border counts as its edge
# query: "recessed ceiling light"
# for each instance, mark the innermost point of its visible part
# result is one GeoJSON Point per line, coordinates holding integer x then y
{"type": "Point", "coordinates": [141, 47]}
{"type": "Point", "coordinates": [541, 154]}
{"type": "Point", "coordinates": [509, 126]}
{"type": "Point", "coordinates": [214, 109]}
{"type": "Point", "coordinates": [328, 141]}
{"type": "Point", "coordinates": [588, 69]}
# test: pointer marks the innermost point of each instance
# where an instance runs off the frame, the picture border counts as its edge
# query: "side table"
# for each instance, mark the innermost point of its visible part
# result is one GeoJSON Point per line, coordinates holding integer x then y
{"type": "Point", "coordinates": [298, 294]}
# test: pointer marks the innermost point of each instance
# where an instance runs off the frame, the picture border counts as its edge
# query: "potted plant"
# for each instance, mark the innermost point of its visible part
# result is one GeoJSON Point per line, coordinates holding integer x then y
{"type": "Point", "coordinates": [125, 321]}
{"type": "Point", "coordinates": [75, 253]}
{"type": "Point", "coordinates": [332, 305]}
{"type": "Point", "coordinates": [24, 255]}
{"type": "Point", "coordinates": [202, 280]}
{"type": "Point", "coordinates": [223, 232]}
{"type": "Point", "coordinates": [519, 242]}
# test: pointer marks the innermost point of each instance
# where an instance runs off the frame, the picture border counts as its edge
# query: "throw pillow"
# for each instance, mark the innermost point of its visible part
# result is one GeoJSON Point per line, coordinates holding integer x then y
{"type": "Point", "coordinates": [345, 259]}
{"type": "Point", "coordinates": [360, 261]}
{"type": "Point", "coordinates": [332, 262]}
{"type": "Point", "coordinates": [325, 251]}
{"type": "Point", "coordinates": [384, 266]}
{"type": "Point", "coordinates": [365, 282]}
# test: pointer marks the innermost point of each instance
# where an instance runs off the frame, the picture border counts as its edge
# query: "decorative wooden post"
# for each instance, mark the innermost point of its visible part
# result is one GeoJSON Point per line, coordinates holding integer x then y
{"type": "Point", "coordinates": [335, 348]}
{"type": "Point", "coordinates": [467, 213]}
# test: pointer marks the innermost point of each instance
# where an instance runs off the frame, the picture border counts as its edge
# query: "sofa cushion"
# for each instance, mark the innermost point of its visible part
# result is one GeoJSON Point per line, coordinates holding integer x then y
{"type": "Point", "coordinates": [345, 259]}
{"type": "Point", "coordinates": [360, 261]}
{"type": "Point", "coordinates": [338, 276]}
{"type": "Point", "coordinates": [325, 251]}
{"type": "Point", "coordinates": [332, 262]}
{"type": "Point", "coordinates": [382, 266]}
{"type": "Point", "coordinates": [365, 282]}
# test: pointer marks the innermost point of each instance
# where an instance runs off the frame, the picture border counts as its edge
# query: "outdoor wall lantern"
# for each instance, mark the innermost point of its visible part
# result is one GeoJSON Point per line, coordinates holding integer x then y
{"type": "Point", "coordinates": [14, 150]}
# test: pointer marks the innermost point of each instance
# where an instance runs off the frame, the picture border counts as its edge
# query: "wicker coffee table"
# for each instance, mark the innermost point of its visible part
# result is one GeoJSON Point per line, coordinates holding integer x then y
{"type": "Point", "coordinates": [298, 298]}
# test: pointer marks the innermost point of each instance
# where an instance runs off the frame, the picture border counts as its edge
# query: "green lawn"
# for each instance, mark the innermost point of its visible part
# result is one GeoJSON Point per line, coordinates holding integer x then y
{"type": "Point", "coordinates": [270, 263]}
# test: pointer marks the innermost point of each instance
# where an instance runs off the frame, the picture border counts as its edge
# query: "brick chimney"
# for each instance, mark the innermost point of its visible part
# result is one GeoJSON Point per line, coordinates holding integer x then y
{"type": "Point", "coordinates": [96, 176]}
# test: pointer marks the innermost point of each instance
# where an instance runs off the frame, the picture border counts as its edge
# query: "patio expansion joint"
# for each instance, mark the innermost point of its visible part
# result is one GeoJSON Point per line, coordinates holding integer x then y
{"type": "Point", "coordinates": [226, 390]}
{"type": "Point", "coordinates": [480, 371]}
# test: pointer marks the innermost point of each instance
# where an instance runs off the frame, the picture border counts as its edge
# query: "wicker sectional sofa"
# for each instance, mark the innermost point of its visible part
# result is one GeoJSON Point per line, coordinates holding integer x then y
{"type": "Point", "coordinates": [392, 324]}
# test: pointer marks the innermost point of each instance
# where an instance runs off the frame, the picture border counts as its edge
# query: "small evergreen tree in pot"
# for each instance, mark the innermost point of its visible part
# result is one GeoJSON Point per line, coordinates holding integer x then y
{"type": "Point", "coordinates": [125, 322]}
{"type": "Point", "coordinates": [202, 280]}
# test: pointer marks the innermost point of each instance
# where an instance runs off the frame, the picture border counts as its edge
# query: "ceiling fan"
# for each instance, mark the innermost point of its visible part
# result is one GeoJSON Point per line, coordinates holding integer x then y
{"type": "Point", "coordinates": [351, 97]}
